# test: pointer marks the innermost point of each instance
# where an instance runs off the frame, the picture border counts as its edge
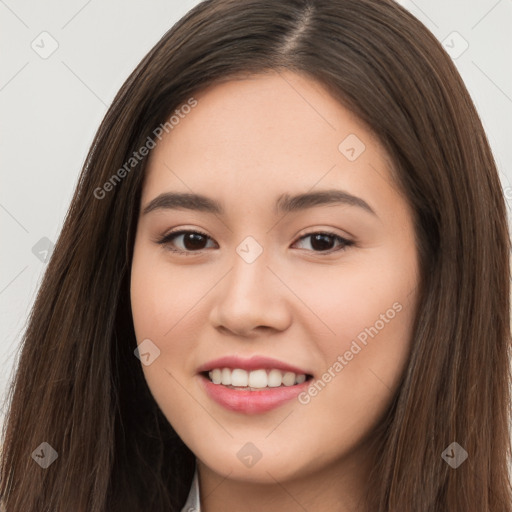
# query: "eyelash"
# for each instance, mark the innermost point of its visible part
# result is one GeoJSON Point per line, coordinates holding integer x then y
{"type": "Point", "coordinates": [166, 239]}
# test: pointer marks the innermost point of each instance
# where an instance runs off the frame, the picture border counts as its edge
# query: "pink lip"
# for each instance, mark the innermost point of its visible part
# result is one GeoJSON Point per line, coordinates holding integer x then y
{"type": "Point", "coordinates": [251, 402]}
{"type": "Point", "coordinates": [253, 363]}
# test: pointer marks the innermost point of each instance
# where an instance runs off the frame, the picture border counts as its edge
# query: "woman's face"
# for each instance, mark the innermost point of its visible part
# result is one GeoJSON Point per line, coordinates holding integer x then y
{"type": "Point", "coordinates": [275, 289]}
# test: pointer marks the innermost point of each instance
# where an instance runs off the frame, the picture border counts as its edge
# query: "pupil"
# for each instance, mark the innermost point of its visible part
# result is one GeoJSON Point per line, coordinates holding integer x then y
{"type": "Point", "coordinates": [323, 244]}
{"type": "Point", "coordinates": [195, 240]}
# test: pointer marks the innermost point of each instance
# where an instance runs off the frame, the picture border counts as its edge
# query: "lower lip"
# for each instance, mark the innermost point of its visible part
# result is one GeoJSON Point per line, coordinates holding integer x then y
{"type": "Point", "coordinates": [251, 402]}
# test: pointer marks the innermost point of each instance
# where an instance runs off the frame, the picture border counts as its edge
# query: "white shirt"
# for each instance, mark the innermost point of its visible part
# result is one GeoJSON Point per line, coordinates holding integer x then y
{"type": "Point", "coordinates": [193, 503]}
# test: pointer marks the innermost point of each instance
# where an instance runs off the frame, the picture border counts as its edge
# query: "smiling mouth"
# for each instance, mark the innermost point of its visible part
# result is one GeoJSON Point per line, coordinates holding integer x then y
{"type": "Point", "coordinates": [254, 380]}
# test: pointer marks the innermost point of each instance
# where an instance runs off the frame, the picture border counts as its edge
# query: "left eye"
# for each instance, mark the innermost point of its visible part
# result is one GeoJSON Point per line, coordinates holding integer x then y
{"type": "Point", "coordinates": [322, 242]}
{"type": "Point", "coordinates": [193, 241]}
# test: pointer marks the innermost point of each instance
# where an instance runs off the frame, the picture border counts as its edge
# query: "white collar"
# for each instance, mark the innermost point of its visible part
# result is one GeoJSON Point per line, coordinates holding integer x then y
{"type": "Point", "coordinates": [193, 503]}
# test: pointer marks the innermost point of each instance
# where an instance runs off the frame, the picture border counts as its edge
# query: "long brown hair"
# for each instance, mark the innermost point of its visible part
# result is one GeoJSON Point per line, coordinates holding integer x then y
{"type": "Point", "coordinates": [79, 387]}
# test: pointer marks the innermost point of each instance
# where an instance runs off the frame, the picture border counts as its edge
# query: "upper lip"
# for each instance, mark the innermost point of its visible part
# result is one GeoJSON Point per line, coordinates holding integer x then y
{"type": "Point", "coordinates": [252, 363]}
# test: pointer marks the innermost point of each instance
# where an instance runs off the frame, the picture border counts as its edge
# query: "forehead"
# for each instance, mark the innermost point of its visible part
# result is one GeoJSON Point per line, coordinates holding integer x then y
{"type": "Point", "coordinates": [263, 136]}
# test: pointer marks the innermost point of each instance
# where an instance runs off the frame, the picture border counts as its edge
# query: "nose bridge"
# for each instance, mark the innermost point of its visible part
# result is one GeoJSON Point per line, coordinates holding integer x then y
{"type": "Point", "coordinates": [250, 295]}
{"type": "Point", "coordinates": [249, 277]}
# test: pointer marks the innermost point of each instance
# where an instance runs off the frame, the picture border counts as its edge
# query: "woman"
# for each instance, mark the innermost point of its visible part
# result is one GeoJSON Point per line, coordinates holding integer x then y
{"type": "Point", "coordinates": [283, 282]}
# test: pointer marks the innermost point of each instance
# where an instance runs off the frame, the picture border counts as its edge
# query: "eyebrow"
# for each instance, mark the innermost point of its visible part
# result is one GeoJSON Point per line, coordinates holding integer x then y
{"type": "Point", "coordinates": [285, 203]}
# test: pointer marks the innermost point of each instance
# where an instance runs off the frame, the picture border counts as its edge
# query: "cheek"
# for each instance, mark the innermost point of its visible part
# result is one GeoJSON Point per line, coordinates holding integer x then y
{"type": "Point", "coordinates": [349, 399]}
{"type": "Point", "coordinates": [166, 305]}
{"type": "Point", "coordinates": [162, 306]}
{"type": "Point", "coordinates": [364, 337]}
{"type": "Point", "coordinates": [164, 300]}
{"type": "Point", "coordinates": [360, 299]}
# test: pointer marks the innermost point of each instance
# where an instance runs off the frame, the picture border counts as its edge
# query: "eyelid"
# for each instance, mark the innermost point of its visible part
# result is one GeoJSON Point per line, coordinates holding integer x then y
{"type": "Point", "coordinates": [327, 231]}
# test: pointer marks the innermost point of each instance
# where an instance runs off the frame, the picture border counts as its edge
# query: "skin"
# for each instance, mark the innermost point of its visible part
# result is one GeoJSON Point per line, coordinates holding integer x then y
{"type": "Point", "coordinates": [245, 143]}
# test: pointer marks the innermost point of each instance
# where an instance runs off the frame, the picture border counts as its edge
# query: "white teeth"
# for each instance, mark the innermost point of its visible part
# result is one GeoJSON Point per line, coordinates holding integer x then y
{"type": "Point", "coordinates": [216, 376]}
{"type": "Point", "coordinates": [239, 378]}
{"type": "Point", "coordinates": [255, 379]}
{"type": "Point", "coordinates": [289, 379]}
{"type": "Point", "coordinates": [226, 377]}
{"type": "Point", "coordinates": [258, 379]}
{"type": "Point", "coordinates": [274, 378]}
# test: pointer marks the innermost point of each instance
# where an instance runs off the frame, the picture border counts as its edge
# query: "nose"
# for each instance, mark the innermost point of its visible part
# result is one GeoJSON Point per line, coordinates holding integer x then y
{"type": "Point", "coordinates": [251, 299]}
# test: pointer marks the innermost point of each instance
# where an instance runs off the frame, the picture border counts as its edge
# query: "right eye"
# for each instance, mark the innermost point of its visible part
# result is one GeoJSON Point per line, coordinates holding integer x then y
{"type": "Point", "coordinates": [192, 241]}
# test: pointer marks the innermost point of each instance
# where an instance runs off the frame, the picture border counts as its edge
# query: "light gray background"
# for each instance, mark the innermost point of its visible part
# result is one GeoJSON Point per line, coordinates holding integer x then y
{"type": "Point", "coordinates": [51, 108]}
